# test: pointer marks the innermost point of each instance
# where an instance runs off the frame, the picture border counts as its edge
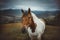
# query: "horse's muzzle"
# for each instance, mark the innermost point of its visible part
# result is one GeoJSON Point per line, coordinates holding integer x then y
{"type": "Point", "coordinates": [24, 30]}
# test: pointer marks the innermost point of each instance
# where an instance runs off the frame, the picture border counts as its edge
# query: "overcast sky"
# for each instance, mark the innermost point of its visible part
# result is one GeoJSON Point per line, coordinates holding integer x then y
{"type": "Point", "coordinates": [42, 5]}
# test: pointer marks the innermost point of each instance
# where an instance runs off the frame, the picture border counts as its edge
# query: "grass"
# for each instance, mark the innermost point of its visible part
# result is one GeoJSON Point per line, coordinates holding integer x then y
{"type": "Point", "coordinates": [12, 31]}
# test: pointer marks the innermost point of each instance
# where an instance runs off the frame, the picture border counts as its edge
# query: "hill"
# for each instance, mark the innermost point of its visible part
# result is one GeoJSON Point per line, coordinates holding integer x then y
{"type": "Point", "coordinates": [12, 31]}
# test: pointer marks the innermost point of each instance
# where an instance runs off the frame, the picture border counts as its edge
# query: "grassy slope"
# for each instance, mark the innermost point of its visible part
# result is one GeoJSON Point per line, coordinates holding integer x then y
{"type": "Point", "coordinates": [12, 32]}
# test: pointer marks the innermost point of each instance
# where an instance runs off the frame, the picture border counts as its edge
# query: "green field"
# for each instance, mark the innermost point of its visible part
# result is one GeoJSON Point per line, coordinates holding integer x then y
{"type": "Point", "coordinates": [12, 31]}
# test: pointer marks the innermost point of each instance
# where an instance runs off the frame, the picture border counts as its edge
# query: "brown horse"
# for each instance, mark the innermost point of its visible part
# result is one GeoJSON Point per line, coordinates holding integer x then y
{"type": "Point", "coordinates": [32, 24]}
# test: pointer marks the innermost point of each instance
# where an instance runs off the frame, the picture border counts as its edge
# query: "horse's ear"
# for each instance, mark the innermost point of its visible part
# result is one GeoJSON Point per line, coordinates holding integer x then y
{"type": "Point", "coordinates": [22, 11]}
{"type": "Point", "coordinates": [29, 11]}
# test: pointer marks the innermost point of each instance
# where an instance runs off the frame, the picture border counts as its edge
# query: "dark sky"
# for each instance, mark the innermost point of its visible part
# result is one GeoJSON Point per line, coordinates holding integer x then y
{"type": "Point", "coordinates": [43, 5]}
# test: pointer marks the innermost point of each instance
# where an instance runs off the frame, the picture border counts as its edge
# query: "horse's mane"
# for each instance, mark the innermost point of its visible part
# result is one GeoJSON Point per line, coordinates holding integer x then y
{"type": "Point", "coordinates": [35, 18]}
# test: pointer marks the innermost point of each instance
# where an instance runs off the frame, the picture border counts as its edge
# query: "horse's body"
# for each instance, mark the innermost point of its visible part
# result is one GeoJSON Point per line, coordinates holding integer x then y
{"type": "Point", "coordinates": [39, 28]}
{"type": "Point", "coordinates": [35, 31]}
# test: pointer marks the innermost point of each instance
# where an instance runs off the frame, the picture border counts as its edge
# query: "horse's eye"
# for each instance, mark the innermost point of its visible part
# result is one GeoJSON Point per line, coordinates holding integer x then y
{"type": "Point", "coordinates": [29, 17]}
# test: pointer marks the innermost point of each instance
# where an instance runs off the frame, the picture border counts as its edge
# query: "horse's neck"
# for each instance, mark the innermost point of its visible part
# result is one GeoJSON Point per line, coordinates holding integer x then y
{"type": "Point", "coordinates": [33, 25]}
{"type": "Point", "coordinates": [38, 24]}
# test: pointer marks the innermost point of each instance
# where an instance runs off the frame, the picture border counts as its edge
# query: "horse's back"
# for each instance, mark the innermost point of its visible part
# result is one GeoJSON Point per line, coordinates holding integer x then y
{"type": "Point", "coordinates": [42, 20]}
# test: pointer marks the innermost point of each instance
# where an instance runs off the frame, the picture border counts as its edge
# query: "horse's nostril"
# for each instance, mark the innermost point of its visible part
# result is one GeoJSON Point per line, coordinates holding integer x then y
{"type": "Point", "coordinates": [24, 30]}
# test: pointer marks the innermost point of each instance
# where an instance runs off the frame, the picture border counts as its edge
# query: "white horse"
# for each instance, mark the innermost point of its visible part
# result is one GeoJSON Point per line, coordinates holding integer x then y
{"type": "Point", "coordinates": [33, 25]}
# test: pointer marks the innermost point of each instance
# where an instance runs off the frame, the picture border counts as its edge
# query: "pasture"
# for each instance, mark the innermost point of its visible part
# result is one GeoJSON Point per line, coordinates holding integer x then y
{"type": "Point", "coordinates": [12, 31]}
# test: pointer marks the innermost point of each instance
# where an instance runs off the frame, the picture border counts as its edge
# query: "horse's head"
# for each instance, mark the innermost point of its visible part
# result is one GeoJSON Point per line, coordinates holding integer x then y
{"type": "Point", "coordinates": [27, 19]}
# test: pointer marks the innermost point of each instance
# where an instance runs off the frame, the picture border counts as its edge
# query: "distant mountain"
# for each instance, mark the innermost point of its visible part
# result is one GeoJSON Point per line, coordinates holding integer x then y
{"type": "Point", "coordinates": [14, 15]}
{"type": "Point", "coordinates": [45, 13]}
{"type": "Point", "coordinates": [18, 12]}
{"type": "Point", "coordinates": [10, 12]}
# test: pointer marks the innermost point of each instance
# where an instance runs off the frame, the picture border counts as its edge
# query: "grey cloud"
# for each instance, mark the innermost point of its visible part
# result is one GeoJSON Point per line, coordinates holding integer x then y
{"type": "Point", "coordinates": [47, 4]}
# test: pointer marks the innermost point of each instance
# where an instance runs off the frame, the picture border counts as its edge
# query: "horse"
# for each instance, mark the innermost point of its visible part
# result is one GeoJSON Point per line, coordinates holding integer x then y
{"type": "Point", "coordinates": [34, 26]}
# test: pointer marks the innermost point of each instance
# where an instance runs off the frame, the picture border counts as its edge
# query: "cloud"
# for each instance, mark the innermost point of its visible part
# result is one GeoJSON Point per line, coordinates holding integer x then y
{"type": "Point", "coordinates": [33, 4]}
